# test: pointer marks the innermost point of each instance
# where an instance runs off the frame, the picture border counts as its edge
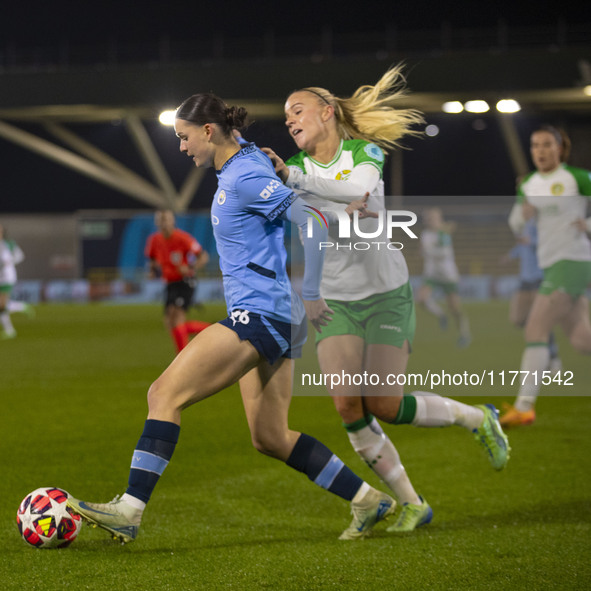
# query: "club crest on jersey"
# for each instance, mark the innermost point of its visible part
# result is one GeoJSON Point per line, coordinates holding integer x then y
{"type": "Point", "coordinates": [557, 189]}
{"type": "Point", "coordinates": [222, 197]}
{"type": "Point", "coordinates": [374, 152]}
{"type": "Point", "coordinates": [343, 175]}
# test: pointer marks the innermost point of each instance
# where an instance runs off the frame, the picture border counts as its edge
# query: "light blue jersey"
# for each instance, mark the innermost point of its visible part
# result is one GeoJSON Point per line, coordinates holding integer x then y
{"type": "Point", "coordinates": [247, 215]}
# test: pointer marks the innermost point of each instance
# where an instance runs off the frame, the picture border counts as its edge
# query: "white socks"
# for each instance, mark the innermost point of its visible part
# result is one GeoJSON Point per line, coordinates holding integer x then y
{"type": "Point", "coordinates": [437, 411]}
{"type": "Point", "coordinates": [6, 323]}
{"type": "Point", "coordinates": [434, 307]}
{"type": "Point", "coordinates": [464, 326]}
{"type": "Point", "coordinates": [379, 453]}
{"type": "Point", "coordinates": [16, 306]}
{"type": "Point", "coordinates": [133, 501]}
{"type": "Point", "coordinates": [534, 359]}
{"type": "Point", "coordinates": [360, 494]}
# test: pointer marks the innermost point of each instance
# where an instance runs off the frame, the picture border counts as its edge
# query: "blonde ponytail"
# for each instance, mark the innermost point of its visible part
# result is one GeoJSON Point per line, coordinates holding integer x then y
{"type": "Point", "coordinates": [371, 113]}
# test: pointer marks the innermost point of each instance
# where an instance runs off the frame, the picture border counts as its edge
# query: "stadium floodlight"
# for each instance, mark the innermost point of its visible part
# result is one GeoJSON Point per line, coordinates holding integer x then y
{"type": "Point", "coordinates": [587, 90]}
{"type": "Point", "coordinates": [476, 106]}
{"type": "Point", "coordinates": [452, 107]}
{"type": "Point", "coordinates": [508, 106]}
{"type": "Point", "coordinates": [167, 117]}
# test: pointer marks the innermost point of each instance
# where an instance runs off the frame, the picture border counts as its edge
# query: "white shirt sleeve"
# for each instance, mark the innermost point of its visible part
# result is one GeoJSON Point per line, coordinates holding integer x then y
{"type": "Point", "coordinates": [363, 179]}
{"type": "Point", "coordinates": [18, 255]}
{"type": "Point", "coordinates": [516, 219]}
{"type": "Point", "coordinates": [428, 244]}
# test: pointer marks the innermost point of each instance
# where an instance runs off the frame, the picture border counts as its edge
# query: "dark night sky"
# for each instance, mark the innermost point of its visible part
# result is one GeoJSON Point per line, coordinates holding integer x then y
{"type": "Point", "coordinates": [33, 183]}
{"type": "Point", "coordinates": [42, 23]}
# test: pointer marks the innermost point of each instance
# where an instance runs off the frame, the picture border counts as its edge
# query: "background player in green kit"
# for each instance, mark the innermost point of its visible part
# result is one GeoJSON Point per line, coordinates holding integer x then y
{"type": "Point", "coordinates": [557, 196]}
{"type": "Point", "coordinates": [342, 143]}
{"type": "Point", "coordinates": [440, 272]}
{"type": "Point", "coordinates": [10, 256]}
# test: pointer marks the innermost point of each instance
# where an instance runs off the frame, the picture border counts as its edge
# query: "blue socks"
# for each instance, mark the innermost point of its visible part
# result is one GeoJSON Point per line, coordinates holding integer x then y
{"type": "Point", "coordinates": [156, 446]}
{"type": "Point", "coordinates": [323, 468]}
{"type": "Point", "coordinates": [151, 456]}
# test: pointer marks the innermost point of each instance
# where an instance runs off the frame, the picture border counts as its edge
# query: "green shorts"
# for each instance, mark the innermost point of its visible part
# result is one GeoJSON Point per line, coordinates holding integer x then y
{"type": "Point", "coordinates": [446, 287]}
{"type": "Point", "coordinates": [6, 288]}
{"type": "Point", "coordinates": [571, 277]}
{"type": "Point", "coordinates": [382, 319]}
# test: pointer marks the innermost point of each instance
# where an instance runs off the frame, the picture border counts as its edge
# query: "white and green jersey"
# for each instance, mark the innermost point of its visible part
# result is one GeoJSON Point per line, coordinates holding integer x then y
{"type": "Point", "coordinates": [350, 274]}
{"type": "Point", "coordinates": [560, 197]}
{"type": "Point", "coordinates": [438, 256]}
{"type": "Point", "coordinates": [10, 256]}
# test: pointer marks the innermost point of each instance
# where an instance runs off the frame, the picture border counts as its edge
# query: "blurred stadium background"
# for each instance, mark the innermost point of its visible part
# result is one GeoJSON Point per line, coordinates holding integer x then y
{"type": "Point", "coordinates": [86, 160]}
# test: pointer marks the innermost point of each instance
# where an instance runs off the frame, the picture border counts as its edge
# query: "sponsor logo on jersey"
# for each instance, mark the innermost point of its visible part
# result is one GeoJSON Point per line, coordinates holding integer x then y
{"type": "Point", "coordinates": [269, 189]}
{"type": "Point", "coordinates": [374, 152]}
{"type": "Point", "coordinates": [215, 220]}
{"type": "Point", "coordinates": [343, 175]}
{"type": "Point", "coordinates": [222, 197]}
{"type": "Point", "coordinates": [557, 189]}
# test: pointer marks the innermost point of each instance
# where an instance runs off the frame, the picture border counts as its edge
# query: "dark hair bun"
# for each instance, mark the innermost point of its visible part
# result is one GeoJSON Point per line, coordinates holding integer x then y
{"type": "Point", "coordinates": [236, 117]}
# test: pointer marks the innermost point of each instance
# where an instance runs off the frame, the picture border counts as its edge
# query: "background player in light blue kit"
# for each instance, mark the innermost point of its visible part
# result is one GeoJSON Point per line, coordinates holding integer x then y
{"type": "Point", "coordinates": [255, 344]}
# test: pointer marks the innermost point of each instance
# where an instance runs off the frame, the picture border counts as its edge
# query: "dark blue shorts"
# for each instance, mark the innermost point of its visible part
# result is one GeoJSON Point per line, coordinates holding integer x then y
{"type": "Point", "coordinates": [179, 294]}
{"type": "Point", "coordinates": [271, 338]}
{"type": "Point", "coordinates": [530, 285]}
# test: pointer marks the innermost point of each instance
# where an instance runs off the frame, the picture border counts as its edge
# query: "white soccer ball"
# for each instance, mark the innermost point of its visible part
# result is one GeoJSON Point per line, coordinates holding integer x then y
{"type": "Point", "coordinates": [45, 521]}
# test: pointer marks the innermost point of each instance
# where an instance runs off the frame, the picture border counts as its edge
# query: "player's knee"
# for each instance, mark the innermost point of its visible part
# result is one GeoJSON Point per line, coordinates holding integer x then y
{"type": "Point", "coordinates": [581, 343]}
{"type": "Point", "coordinates": [266, 444]}
{"type": "Point", "coordinates": [350, 408]}
{"type": "Point", "coordinates": [158, 397]}
{"type": "Point", "coordinates": [264, 447]}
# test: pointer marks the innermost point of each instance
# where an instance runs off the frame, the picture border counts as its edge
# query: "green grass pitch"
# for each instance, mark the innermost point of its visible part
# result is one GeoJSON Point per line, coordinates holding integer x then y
{"type": "Point", "coordinates": [73, 389]}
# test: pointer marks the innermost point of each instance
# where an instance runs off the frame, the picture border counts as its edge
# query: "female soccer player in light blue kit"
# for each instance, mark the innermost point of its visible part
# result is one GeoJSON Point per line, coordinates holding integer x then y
{"type": "Point", "coordinates": [265, 329]}
{"type": "Point", "coordinates": [342, 144]}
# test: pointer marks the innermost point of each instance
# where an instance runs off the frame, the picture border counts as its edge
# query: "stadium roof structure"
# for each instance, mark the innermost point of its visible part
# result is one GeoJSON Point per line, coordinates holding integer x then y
{"type": "Point", "coordinates": [551, 79]}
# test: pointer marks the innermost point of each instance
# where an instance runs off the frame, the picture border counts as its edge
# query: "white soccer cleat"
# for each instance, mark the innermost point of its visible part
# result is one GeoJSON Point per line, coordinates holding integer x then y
{"type": "Point", "coordinates": [375, 506]}
{"type": "Point", "coordinates": [117, 517]}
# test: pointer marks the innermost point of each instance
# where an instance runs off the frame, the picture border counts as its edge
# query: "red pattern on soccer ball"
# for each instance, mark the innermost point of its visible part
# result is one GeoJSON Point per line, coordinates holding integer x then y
{"type": "Point", "coordinates": [45, 521]}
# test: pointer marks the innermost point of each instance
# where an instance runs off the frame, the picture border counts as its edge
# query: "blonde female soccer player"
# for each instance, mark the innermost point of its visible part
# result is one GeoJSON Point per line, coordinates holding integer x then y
{"type": "Point", "coordinates": [342, 143]}
{"type": "Point", "coordinates": [556, 195]}
{"type": "Point", "coordinates": [256, 344]}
